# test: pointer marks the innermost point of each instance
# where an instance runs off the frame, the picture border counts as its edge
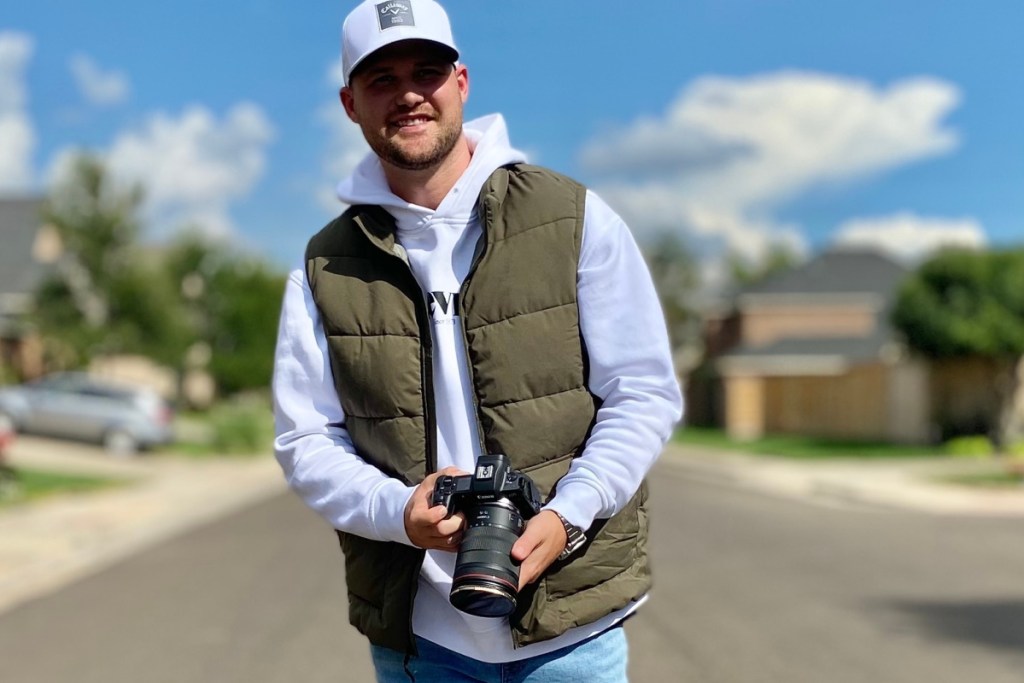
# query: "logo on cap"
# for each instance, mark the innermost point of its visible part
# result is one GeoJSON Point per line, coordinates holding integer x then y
{"type": "Point", "coordinates": [394, 13]}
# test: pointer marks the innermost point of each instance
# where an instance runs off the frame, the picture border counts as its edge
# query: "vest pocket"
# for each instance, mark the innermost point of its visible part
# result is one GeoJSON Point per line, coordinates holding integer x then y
{"type": "Point", "coordinates": [613, 549]}
{"type": "Point", "coordinates": [366, 568]}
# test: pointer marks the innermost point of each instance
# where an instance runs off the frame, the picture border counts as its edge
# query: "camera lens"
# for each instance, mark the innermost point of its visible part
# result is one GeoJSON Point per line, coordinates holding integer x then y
{"type": "Point", "coordinates": [486, 580]}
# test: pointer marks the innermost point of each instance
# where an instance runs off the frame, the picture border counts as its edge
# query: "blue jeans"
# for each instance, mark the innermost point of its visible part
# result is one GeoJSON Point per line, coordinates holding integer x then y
{"type": "Point", "coordinates": [601, 659]}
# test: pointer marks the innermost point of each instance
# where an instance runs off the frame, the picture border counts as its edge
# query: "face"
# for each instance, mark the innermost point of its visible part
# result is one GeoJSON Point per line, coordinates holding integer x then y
{"type": "Point", "coordinates": [407, 98]}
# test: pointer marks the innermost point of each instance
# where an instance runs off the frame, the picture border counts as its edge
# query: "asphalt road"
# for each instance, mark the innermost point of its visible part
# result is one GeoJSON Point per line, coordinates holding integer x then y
{"type": "Point", "coordinates": [747, 588]}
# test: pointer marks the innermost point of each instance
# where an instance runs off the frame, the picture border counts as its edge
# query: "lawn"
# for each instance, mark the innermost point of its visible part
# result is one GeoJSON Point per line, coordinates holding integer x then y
{"type": "Point", "coordinates": [1003, 479]}
{"type": "Point", "coordinates": [800, 446]}
{"type": "Point", "coordinates": [227, 429]}
{"type": "Point", "coordinates": [21, 485]}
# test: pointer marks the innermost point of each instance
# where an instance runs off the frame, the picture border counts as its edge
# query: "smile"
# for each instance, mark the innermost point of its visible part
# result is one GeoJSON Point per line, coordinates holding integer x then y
{"type": "Point", "coordinates": [410, 121]}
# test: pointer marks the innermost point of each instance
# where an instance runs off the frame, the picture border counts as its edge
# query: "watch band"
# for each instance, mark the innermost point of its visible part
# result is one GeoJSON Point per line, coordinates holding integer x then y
{"type": "Point", "coordinates": [574, 537]}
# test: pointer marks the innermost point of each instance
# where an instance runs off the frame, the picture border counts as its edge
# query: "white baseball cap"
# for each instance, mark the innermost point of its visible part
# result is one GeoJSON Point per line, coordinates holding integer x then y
{"type": "Point", "coordinates": [377, 23]}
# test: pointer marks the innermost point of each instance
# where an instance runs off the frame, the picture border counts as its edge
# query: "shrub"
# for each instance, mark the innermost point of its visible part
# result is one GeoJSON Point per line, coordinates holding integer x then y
{"type": "Point", "coordinates": [241, 428]}
{"type": "Point", "coordinates": [969, 447]}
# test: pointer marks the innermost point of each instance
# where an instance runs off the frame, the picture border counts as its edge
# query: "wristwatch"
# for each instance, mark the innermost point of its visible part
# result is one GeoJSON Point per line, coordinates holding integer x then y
{"type": "Point", "coordinates": [574, 538]}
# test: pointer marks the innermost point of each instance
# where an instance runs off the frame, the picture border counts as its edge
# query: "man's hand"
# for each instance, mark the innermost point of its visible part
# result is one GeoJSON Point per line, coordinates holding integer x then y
{"type": "Point", "coordinates": [427, 526]}
{"type": "Point", "coordinates": [541, 543]}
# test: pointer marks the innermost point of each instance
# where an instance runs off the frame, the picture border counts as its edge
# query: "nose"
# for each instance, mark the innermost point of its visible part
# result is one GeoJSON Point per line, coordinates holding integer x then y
{"type": "Point", "coordinates": [409, 97]}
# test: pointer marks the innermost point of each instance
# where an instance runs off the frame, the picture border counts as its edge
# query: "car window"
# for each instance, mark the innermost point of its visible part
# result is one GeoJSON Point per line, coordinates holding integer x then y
{"type": "Point", "coordinates": [95, 391]}
{"type": "Point", "coordinates": [51, 383]}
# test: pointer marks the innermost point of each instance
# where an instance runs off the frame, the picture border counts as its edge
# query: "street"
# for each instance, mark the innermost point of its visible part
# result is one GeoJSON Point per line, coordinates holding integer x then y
{"type": "Point", "coordinates": [747, 588]}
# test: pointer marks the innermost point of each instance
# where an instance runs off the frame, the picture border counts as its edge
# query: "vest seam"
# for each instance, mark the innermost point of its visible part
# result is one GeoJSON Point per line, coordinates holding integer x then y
{"type": "Point", "coordinates": [384, 418]}
{"type": "Point", "coordinates": [345, 257]}
{"type": "Point", "coordinates": [521, 315]}
{"type": "Point", "coordinates": [552, 461]}
{"type": "Point", "coordinates": [537, 398]}
{"type": "Point", "coordinates": [348, 335]}
{"type": "Point", "coordinates": [535, 227]}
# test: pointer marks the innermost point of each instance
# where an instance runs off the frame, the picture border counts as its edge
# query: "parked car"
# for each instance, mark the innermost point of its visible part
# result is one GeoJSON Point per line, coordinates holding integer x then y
{"type": "Point", "coordinates": [77, 406]}
{"type": "Point", "coordinates": [6, 436]}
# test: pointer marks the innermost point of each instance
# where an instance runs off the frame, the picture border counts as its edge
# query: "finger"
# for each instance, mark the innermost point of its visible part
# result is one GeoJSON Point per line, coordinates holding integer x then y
{"type": "Point", "coordinates": [447, 527]}
{"type": "Point", "coordinates": [525, 545]}
{"type": "Point", "coordinates": [449, 543]}
{"type": "Point", "coordinates": [528, 573]}
{"type": "Point", "coordinates": [427, 517]}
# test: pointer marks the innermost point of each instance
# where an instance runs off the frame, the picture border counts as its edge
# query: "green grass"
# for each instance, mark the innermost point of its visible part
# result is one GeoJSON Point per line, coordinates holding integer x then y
{"type": "Point", "coordinates": [21, 485]}
{"type": "Point", "coordinates": [801, 447]}
{"type": "Point", "coordinates": [994, 480]}
{"type": "Point", "coordinates": [239, 429]}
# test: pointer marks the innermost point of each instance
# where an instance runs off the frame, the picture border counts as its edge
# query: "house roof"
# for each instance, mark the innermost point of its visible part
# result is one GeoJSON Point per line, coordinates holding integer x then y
{"type": "Point", "coordinates": [810, 356]}
{"type": "Point", "coordinates": [837, 272]}
{"type": "Point", "coordinates": [20, 221]}
{"type": "Point", "coordinates": [852, 348]}
{"type": "Point", "coordinates": [837, 277]}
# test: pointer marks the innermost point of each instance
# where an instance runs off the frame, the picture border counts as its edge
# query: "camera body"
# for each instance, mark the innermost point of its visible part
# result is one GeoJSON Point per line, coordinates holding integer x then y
{"type": "Point", "coordinates": [496, 501]}
{"type": "Point", "coordinates": [493, 479]}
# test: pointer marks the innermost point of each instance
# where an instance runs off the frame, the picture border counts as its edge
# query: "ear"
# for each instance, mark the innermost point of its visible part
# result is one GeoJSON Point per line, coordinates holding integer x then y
{"type": "Point", "coordinates": [348, 102]}
{"type": "Point", "coordinates": [462, 78]}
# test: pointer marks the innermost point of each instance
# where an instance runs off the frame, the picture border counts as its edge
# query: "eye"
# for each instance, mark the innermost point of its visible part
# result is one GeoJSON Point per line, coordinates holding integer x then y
{"type": "Point", "coordinates": [429, 74]}
{"type": "Point", "coordinates": [382, 80]}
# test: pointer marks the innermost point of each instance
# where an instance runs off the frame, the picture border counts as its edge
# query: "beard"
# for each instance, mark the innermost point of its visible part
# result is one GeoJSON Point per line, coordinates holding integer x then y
{"type": "Point", "coordinates": [391, 151]}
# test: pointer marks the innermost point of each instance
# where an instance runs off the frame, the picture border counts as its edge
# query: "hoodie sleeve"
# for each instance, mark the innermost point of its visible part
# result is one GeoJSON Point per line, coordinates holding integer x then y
{"type": "Point", "coordinates": [311, 443]}
{"type": "Point", "coordinates": [631, 371]}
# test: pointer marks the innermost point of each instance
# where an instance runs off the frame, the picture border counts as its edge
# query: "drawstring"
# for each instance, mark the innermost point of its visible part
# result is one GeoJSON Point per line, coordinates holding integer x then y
{"type": "Point", "coordinates": [405, 665]}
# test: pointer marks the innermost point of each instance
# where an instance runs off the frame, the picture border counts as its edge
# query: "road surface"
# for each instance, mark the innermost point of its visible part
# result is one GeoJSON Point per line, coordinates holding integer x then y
{"type": "Point", "coordinates": [747, 588]}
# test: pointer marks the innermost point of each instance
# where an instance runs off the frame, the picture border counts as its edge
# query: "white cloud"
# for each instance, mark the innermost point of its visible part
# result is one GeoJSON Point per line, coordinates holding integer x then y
{"type": "Point", "coordinates": [910, 237]}
{"type": "Point", "coordinates": [346, 146]}
{"type": "Point", "coordinates": [17, 134]}
{"type": "Point", "coordinates": [101, 88]}
{"type": "Point", "coordinates": [192, 167]}
{"type": "Point", "coordinates": [729, 151]}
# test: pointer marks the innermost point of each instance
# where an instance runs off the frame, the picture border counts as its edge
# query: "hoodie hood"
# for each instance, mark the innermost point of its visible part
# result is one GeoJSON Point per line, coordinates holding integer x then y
{"type": "Point", "coordinates": [491, 149]}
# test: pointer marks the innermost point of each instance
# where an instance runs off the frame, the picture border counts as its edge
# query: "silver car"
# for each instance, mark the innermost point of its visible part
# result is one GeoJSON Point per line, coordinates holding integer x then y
{"type": "Point", "coordinates": [76, 406]}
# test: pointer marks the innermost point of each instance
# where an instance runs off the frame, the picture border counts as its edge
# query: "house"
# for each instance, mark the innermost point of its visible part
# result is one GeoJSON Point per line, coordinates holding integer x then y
{"type": "Point", "coordinates": [810, 351]}
{"type": "Point", "coordinates": [28, 251]}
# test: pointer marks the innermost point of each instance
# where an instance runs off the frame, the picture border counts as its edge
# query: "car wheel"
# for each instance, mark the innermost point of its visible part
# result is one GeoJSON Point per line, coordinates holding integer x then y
{"type": "Point", "coordinates": [120, 443]}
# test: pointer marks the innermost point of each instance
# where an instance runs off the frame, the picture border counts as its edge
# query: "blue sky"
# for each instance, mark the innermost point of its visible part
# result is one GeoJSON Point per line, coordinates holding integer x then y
{"type": "Point", "coordinates": [737, 125]}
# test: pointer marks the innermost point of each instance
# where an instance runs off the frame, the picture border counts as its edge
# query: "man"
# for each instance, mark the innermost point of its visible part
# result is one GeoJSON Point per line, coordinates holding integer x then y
{"type": "Point", "coordinates": [467, 304]}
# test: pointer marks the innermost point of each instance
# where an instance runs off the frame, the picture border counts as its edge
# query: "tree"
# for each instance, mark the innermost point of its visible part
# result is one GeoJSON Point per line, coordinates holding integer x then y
{"type": "Point", "coordinates": [744, 271]}
{"type": "Point", "coordinates": [677, 281]}
{"type": "Point", "coordinates": [233, 303]}
{"type": "Point", "coordinates": [103, 297]}
{"type": "Point", "coordinates": [110, 295]}
{"type": "Point", "coordinates": [962, 304]}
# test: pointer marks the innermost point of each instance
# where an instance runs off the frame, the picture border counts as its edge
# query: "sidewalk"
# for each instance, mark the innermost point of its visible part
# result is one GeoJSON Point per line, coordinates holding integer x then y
{"type": "Point", "coordinates": [906, 483]}
{"type": "Point", "coordinates": [48, 543]}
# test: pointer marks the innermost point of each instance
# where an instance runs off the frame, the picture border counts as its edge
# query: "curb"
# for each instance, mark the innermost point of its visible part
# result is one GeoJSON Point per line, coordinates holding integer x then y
{"type": "Point", "coordinates": [50, 543]}
{"type": "Point", "coordinates": [906, 485]}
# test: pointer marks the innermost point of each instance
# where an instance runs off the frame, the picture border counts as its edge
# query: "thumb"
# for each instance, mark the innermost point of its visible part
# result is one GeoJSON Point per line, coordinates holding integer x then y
{"type": "Point", "coordinates": [526, 544]}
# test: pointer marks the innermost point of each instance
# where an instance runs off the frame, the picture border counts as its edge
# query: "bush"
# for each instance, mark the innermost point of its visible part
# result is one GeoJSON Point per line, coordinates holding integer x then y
{"type": "Point", "coordinates": [241, 428]}
{"type": "Point", "coordinates": [969, 447]}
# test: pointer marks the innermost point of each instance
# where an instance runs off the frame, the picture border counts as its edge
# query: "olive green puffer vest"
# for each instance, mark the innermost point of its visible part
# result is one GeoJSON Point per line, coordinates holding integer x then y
{"type": "Point", "coordinates": [529, 370]}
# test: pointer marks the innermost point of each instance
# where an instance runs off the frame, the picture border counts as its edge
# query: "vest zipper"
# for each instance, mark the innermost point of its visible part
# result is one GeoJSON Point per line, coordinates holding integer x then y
{"type": "Point", "coordinates": [427, 382]}
{"type": "Point", "coordinates": [427, 379]}
{"type": "Point", "coordinates": [478, 255]}
{"type": "Point", "coordinates": [426, 372]}
{"type": "Point", "coordinates": [426, 352]}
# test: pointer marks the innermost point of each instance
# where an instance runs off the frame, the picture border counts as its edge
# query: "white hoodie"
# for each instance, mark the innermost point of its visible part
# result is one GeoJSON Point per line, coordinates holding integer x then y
{"type": "Point", "coordinates": [630, 370]}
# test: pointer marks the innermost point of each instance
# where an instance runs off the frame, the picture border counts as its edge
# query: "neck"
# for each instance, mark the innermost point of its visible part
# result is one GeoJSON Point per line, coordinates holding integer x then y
{"type": "Point", "coordinates": [428, 187]}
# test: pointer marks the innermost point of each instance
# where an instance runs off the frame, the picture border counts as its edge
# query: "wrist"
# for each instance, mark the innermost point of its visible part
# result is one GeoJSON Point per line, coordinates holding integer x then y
{"type": "Point", "coordinates": [574, 537]}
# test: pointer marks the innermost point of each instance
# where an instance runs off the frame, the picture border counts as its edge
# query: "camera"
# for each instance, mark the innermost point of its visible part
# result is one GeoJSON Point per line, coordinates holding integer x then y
{"type": "Point", "coordinates": [497, 501]}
